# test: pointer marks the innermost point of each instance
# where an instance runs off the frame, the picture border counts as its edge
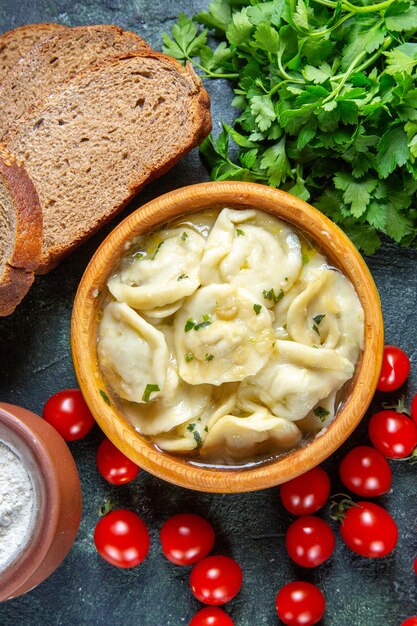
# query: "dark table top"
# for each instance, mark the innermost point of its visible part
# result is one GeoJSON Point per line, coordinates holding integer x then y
{"type": "Point", "coordinates": [36, 362]}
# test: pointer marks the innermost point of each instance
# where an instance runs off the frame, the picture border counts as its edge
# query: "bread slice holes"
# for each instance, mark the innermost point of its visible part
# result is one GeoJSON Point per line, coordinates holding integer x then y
{"type": "Point", "coordinates": [61, 122]}
{"type": "Point", "coordinates": [53, 61]}
{"type": "Point", "coordinates": [84, 139]}
{"type": "Point", "coordinates": [38, 123]}
{"type": "Point", "coordinates": [144, 74]}
{"type": "Point", "coordinates": [160, 100]}
{"type": "Point", "coordinates": [140, 102]}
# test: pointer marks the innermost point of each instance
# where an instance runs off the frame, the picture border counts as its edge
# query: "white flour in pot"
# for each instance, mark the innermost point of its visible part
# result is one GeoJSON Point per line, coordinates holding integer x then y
{"type": "Point", "coordinates": [16, 504]}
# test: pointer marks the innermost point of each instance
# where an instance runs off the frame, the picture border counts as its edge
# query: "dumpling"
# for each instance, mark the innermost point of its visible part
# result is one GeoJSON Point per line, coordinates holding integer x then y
{"type": "Point", "coordinates": [164, 275]}
{"type": "Point", "coordinates": [222, 335]}
{"type": "Point", "coordinates": [253, 250]}
{"type": "Point", "coordinates": [295, 379]}
{"type": "Point", "coordinates": [232, 438]}
{"type": "Point", "coordinates": [328, 314]}
{"type": "Point", "coordinates": [190, 436]}
{"type": "Point", "coordinates": [133, 355]}
{"type": "Point", "coordinates": [178, 402]}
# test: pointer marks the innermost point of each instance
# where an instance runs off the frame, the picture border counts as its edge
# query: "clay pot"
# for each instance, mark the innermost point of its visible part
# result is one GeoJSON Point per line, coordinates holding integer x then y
{"type": "Point", "coordinates": [57, 511]}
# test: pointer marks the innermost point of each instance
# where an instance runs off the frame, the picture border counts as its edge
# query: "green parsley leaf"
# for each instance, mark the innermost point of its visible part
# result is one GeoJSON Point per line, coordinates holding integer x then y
{"type": "Point", "coordinates": [271, 295]}
{"type": "Point", "coordinates": [239, 232]}
{"type": "Point", "coordinates": [191, 427]}
{"type": "Point", "coordinates": [182, 276]}
{"type": "Point", "coordinates": [189, 324]}
{"type": "Point", "coordinates": [149, 389]}
{"type": "Point", "coordinates": [198, 439]}
{"type": "Point", "coordinates": [318, 318]}
{"type": "Point", "coordinates": [257, 308]}
{"type": "Point", "coordinates": [209, 357]}
{"type": "Point", "coordinates": [321, 412]}
{"type": "Point", "coordinates": [104, 396]}
{"type": "Point", "coordinates": [157, 250]}
{"type": "Point", "coordinates": [184, 236]}
{"type": "Point", "coordinates": [189, 357]}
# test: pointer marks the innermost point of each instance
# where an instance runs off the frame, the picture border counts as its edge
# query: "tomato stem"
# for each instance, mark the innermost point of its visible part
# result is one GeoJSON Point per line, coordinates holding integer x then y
{"type": "Point", "coordinates": [107, 505]}
{"type": "Point", "coordinates": [338, 508]}
{"type": "Point", "coordinates": [399, 407]}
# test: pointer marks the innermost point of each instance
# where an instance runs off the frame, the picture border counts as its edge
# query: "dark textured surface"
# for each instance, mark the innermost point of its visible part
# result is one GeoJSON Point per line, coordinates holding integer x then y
{"type": "Point", "coordinates": [36, 362]}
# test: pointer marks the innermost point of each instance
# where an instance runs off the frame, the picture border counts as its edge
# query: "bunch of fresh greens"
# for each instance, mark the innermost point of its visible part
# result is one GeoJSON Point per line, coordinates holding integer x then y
{"type": "Point", "coordinates": [327, 104]}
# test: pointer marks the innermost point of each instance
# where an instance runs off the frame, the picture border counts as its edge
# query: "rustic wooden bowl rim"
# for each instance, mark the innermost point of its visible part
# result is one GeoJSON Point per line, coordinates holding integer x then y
{"type": "Point", "coordinates": [335, 245]}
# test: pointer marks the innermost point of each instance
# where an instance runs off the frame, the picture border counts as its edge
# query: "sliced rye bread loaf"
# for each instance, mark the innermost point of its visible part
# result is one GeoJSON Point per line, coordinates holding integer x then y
{"type": "Point", "coordinates": [101, 136]}
{"type": "Point", "coordinates": [14, 44]}
{"type": "Point", "coordinates": [20, 232]}
{"type": "Point", "coordinates": [54, 60]}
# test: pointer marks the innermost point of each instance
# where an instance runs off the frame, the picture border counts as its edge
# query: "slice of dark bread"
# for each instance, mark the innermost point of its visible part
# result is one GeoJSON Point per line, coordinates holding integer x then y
{"type": "Point", "coordinates": [98, 138]}
{"type": "Point", "coordinates": [14, 44]}
{"type": "Point", "coordinates": [20, 232]}
{"type": "Point", "coordinates": [54, 60]}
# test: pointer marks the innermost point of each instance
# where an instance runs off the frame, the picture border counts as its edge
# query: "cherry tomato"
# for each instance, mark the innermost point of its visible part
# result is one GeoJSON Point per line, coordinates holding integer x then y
{"type": "Point", "coordinates": [300, 604]}
{"type": "Point", "coordinates": [369, 530]}
{"type": "Point", "coordinates": [122, 539]}
{"type": "Point", "coordinates": [216, 580]}
{"type": "Point", "coordinates": [414, 409]}
{"type": "Point", "coordinates": [411, 621]}
{"type": "Point", "coordinates": [395, 369]}
{"type": "Point", "coordinates": [186, 538]}
{"type": "Point", "coordinates": [307, 493]}
{"type": "Point", "coordinates": [113, 465]}
{"type": "Point", "coordinates": [211, 616]}
{"type": "Point", "coordinates": [393, 434]}
{"type": "Point", "coordinates": [69, 414]}
{"type": "Point", "coordinates": [366, 471]}
{"type": "Point", "coordinates": [309, 541]}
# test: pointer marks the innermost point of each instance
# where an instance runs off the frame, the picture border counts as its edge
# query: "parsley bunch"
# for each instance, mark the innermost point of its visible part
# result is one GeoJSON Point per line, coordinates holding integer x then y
{"type": "Point", "coordinates": [326, 96]}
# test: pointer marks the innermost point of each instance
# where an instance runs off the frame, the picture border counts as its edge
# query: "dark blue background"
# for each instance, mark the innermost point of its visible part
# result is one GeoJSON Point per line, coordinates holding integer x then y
{"type": "Point", "coordinates": [36, 362]}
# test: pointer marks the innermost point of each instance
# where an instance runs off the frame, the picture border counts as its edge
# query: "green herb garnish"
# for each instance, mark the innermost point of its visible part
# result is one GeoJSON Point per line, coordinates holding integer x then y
{"type": "Point", "coordinates": [104, 396]}
{"type": "Point", "coordinates": [271, 295]}
{"type": "Point", "coordinates": [209, 357]}
{"type": "Point", "coordinates": [189, 357]}
{"type": "Point", "coordinates": [184, 236]}
{"type": "Point", "coordinates": [182, 276]}
{"type": "Point", "coordinates": [325, 93]}
{"type": "Point", "coordinates": [321, 412]}
{"type": "Point", "coordinates": [317, 319]}
{"type": "Point", "coordinates": [138, 255]}
{"type": "Point", "coordinates": [198, 439]}
{"type": "Point", "coordinates": [239, 232]}
{"type": "Point", "coordinates": [257, 308]}
{"type": "Point", "coordinates": [157, 250]}
{"type": "Point", "coordinates": [191, 427]}
{"type": "Point", "coordinates": [148, 390]}
{"type": "Point", "coordinates": [189, 324]}
{"type": "Point", "coordinates": [206, 322]}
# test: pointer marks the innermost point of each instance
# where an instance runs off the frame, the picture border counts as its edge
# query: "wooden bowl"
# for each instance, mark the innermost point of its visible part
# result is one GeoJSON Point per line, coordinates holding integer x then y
{"type": "Point", "coordinates": [338, 249]}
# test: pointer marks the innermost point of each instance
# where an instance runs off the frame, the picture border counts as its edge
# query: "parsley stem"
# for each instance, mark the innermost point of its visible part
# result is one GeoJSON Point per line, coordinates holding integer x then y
{"type": "Point", "coordinates": [208, 73]}
{"type": "Point", "coordinates": [326, 31]}
{"type": "Point", "coordinates": [370, 8]}
{"type": "Point", "coordinates": [346, 75]}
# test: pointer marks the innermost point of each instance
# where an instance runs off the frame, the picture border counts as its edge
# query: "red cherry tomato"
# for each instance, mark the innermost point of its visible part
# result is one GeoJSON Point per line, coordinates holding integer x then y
{"type": "Point", "coordinates": [309, 541]}
{"type": "Point", "coordinates": [211, 616]}
{"type": "Point", "coordinates": [216, 580]}
{"type": "Point", "coordinates": [395, 369]}
{"type": "Point", "coordinates": [113, 465]}
{"type": "Point", "coordinates": [69, 414]}
{"type": "Point", "coordinates": [122, 539]}
{"type": "Point", "coordinates": [411, 621]}
{"type": "Point", "coordinates": [300, 604]}
{"type": "Point", "coordinates": [186, 538]}
{"type": "Point", "coordinates": [366, 471]}
{"type": "Point", "coordinates": [369, 530]}
{"type": "Point", "coordinates": [414, 409]}
{"type": "Point", "coordinates": [393, 434]}
{"type": "Point", "coordinates": [307, 493]}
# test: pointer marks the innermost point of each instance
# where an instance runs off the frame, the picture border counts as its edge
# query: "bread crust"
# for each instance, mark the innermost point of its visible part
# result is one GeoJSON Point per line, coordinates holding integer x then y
{"type": "Point", "coordinates": [23, 37]}
{"type": "Point", "coordinates": [201, 122]}
{"type": "Point", "coordinates": [18, 274]}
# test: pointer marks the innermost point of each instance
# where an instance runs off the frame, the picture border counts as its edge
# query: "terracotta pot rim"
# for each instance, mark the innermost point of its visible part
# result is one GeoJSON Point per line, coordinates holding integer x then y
{"type": "Point", "coordinates": [335, 245]}
{"type": "Point", "coordinates": [46, 490]}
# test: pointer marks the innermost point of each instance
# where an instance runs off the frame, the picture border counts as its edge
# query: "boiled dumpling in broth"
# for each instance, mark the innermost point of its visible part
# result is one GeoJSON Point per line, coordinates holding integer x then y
{"type": "Point", "coordinates": [295, 379]}
{"type": "Point", "coordinates": [253, 250]}
{"type": "Point", "coordinates": [221, 335]}
{"type": "Point", "coordinates": [133, 354]}
{"type": "Point", "coordinates": [234, 438]}
{"type": "Point", "coordinates": [158, 279]}
{"type": "Point", "coordinates": [328, 314]}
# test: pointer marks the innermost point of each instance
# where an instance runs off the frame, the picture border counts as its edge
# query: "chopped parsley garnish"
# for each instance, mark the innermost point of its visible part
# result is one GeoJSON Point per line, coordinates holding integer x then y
{"type": "Point", "coordinates": [104, 396]}
{"type": "Point", "coordinates": [182, 276]}
{"type": "Point", "coordinates": [284, 326]}
{"type": "Point", "coordinates": [206, 429]}
{"type": "Point", "coordinates": [198, 439]}
{"type": "Point", "coordinates": [157, 250]}
{"type": "Point", "coordinates": [321, 412]}
{"type": "Point", "coordinates": [184, 236]}
{"type": "Point", "coordinates": [209, 357]}
{"type": "Point", "coordinates": [271, 295]}
{"type": "Point", "coordinates": [189, 357]}
{"type": "Point", "coordinates": [304, 259]}
{"type": "Point", "coordinates": [138, 255]}
{"type": "Point", "coordinates": [240, 233]}
{"type": "Point", "coordinates": [191, 427]}
{"type": "Point", "coordinates": [190, 323]}
{"type": "Point", "coordinates": [286, 279]}
{"type": "Point", "coordinates": [317, 319]}
{"type": "Point", "coordinates": [148, 390]}
{"type": "Point", "coordinates": [257, 308]}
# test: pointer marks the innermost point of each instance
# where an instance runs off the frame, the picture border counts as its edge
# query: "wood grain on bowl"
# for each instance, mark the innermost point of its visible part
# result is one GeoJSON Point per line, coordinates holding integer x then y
{"type": "Point", "coordinates": [237, 195]}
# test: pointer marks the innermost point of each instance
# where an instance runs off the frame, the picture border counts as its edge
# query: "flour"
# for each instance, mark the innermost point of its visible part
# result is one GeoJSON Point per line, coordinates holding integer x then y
{"type": "Point", "coordinates": [16, 504]}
